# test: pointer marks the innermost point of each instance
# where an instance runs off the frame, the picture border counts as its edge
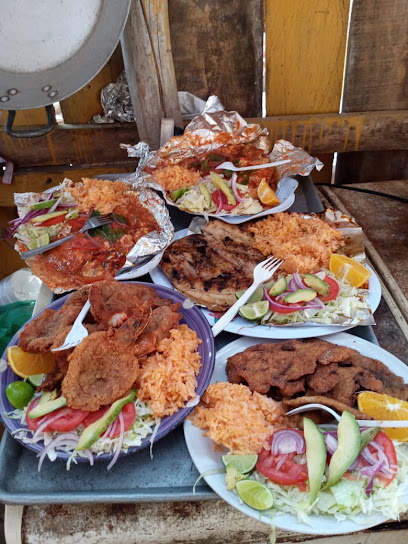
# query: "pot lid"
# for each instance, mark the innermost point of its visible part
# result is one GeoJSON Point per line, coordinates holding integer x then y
{"type": "Point", "coordinates": [52, 48]}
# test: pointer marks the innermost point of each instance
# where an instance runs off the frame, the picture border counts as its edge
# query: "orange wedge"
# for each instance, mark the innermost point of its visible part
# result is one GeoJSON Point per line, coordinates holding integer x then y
{"type": "Point", "coordinates": [380, 407]}
{"type": "Point", "coordinates": [349, 270]}
{"type": "Point", "coordinates": [266, 195]}
{"type": "Point", "coordinates": [26, 364]}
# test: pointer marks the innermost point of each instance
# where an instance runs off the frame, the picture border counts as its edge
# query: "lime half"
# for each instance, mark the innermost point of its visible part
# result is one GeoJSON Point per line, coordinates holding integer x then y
{"type": "Point", "coordinates": [254, 311]}
{"type": "Point", "coordinates": [19, 394]}
{"type": "Point", "coordinates": [256, 297]}
{"type": "Point", "coordinates": [36, 379]}
{"type": "Point", "coordinates": [42, 240]}
{"type": "Point", "coordinates": [255, 494]}
{"type": "Point", "coordinates": [243, 463]}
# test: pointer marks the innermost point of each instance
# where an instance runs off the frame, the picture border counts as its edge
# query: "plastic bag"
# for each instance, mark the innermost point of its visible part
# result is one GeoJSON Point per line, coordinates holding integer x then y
{"type": "Point", "coordinates": [12, 318]}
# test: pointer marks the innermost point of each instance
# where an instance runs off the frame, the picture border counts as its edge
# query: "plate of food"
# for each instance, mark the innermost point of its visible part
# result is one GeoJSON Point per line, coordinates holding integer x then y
{"type": "Point", "coordinates": [139, 229]}
{"type": "Point", "coordinates": [274, 455]}
{"type": "Point", "coordinates": [213, 265]}
{"type": "Point", "coordinates": [146, 360]}
{"type": "Point", "coordinates": [223, 167]}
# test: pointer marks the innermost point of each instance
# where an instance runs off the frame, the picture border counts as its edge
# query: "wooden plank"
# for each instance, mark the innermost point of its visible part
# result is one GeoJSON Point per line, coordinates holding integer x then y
{"type": "Point", "coordinates": [375, 79]}
{"type": "Point", "coordinates": [148, 63]}
{"type": "Point", "coordinates": [40, 178]}
{"type": "Point", "coordinates": [305, 48]}
{"type": "Point", "coordinates": [71, 144]}
{"type": "Point", "coordinates": [217, 49]}
{"type": "Point", "coordinates": [325, 133]}
{"type": "Point", "coordinates": [33, 117]}
{"type": "Point", "coordinates": [85, 103]}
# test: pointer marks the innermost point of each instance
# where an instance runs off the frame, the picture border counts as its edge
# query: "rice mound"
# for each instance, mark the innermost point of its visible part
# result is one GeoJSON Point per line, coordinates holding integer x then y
{"type": "Point", "coordinates": [305, 244]}
{"type": "Point", "coordinates": [176, 177]}
{"type": "Point", "coordinates": [168, 377]}
{"type": "Point", "coordinates": [234, 417]}
{"type": "Point", "coordinates": [98, 194]}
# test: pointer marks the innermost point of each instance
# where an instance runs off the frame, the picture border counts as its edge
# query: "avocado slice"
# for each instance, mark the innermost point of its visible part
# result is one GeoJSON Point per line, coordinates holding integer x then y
{"type": "Point", "coordinates": [94, 431]}
{"type": "Point", "coordinates": [316, 455]}
{"type": "Point", "coordinates": [301, 295]}
{"type": "Point", "coordinates": [47, 216]}
{"type": "Point", "coordinates": [206, 193]}
{"type": "Point", "coordinates": [223, 186]}
{"type": "Point", "coordinates": [348, 448]}
{"type": "Point", "coordinates": [47, 396]}
{"type": "Point", "coordinates": [314, 282]}
{"type": "Point", "coordinates": [368, 436]}
{"type": "Point", "coordinates": [279, 287]}
{"type": "Point", "coordinates": [177, 193]}
{"type": "Point", "coordinates": [46, 407]}
{"type": "Point", "coordinates": [43, 205]}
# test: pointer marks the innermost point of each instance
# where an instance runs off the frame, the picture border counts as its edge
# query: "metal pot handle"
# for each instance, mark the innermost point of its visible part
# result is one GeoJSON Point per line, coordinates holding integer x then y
{"type": "Point", "coordinates": [29, 133]}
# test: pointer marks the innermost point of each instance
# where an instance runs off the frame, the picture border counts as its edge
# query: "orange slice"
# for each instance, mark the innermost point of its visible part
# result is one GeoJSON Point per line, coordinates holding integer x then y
{"type": "Point", "coordinates": [26, 364]}
{"type": "Point", "coordinates": [266, 195]}
{"type": "Point", "coordinates": [381, 406]}
{"type": "Point", "coordinates": [348, 269]}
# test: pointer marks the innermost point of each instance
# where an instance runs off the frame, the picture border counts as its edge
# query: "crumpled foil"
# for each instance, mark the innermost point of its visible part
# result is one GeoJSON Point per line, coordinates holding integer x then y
{"type": "Point", "coordinates": [116, 102]}
{"type": "Point", "coordinates": [146, 251]}
{"type": "Point", "coordinates": [354, 247]}
{"type": "Point", "coordinates": [301, 163]}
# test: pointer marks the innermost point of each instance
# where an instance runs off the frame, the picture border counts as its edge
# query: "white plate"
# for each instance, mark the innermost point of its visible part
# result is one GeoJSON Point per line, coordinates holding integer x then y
{"type": "Point", "coordinates": [285, 192]}
{"type": "Point", "coordinates": [281, 332]}
{"type": "Point", "coordinates": [205, 458]}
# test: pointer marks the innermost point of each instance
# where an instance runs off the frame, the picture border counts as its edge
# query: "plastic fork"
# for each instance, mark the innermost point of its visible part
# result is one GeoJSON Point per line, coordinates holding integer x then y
{"type": "Point", "coordinates": [93, 222]}
{"type": "Point", "coordinates": [230, 166]}
{"type": "Point", "coordinates": [262, 273]}
{"type": "Point", "coordinates": [78, 331]}
{"type": "Point", "coordinates": [361, 422]}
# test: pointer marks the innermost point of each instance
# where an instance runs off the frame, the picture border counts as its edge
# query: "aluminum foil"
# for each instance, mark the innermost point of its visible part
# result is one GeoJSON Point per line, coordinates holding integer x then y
{"type": "Point", "coordinates": [116, 102]}
{"type": "Point", "coordinates": [146, 253]}
{"type": "Point", "coordinates": [301, 163]}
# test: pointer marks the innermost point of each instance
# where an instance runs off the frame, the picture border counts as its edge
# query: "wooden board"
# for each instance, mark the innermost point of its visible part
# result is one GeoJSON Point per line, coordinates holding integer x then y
{"type": "Point", "coordinates": [217, 49]}
{"type": "Point", "coordinates": [376, 79]}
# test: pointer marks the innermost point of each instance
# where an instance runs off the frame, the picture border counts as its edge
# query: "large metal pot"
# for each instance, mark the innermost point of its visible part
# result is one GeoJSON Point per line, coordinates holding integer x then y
{"type": "Point", "coordinates": [52, 48]}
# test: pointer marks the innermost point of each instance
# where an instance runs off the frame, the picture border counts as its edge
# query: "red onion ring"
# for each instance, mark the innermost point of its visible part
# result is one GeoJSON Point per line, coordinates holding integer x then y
{"type": "Point", "coordinates": [298, 281]}
{"type": "Point", "coordinates": [281, 461]}
{"type": "Point", "coordinates": [54, 206]}
{"type": "Point", "coordinates": [294, 307]}
{"type": "Point", "coordinates": [287, 441]}
{"type": "Point", "coordinates": [293, 286]}
{"type": "Point", "coordinates": [120, 442]}
{"type": "Point", "coordinates": [234, 188]}
{"type": "Point", "coordinates": [331, 443]}
{"type": "Point", "coordinates": [220, 201]}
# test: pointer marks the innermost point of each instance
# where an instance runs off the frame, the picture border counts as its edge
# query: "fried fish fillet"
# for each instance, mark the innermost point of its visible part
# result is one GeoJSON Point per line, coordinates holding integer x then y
{"type": "Point", "coordinates": [209, 270]}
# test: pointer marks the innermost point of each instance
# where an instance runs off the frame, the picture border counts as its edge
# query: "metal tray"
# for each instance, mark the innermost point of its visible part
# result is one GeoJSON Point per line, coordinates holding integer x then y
{"type": "Point", "coordinates": [169, 476]}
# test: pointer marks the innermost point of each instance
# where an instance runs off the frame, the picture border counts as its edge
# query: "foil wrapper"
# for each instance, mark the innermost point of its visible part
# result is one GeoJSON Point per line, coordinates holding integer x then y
{"type": "Point", "coordinates": [301, 163]}
{"type": "Point", "coordinates": [147, 251]}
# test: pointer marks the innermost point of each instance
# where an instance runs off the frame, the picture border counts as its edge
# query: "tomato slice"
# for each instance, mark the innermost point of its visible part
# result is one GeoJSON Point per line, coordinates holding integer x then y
{"type": "Point", "coordinates": [33, 424]}
{"type": "Point", "coordinates": [81, 242]}
{"type": "Point", "coordinates": [281, 469]}
{"type": "Point", "coordinates": [69, 419]}
{"type": "Point", "coordinates": [216, 199]}
{"type": "Point", "coordinates": [287, 310]}
{"type": "Point", "coordinates": [334, 289]}
{"type": "Point", "coordinates": [50, 222]}
{"type": "Point", "coordinates": [386, 443]}
{"type": "Point", "coordinates": [128, 412]}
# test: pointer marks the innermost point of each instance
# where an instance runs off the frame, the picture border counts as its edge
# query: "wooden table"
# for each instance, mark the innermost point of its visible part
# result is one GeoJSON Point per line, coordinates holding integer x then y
{"type": "Point", "coordinates": [385, 225]}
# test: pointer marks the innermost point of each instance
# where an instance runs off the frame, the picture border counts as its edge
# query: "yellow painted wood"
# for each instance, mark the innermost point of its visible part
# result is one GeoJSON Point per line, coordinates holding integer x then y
{"type": "Point", "coordinates": [305, 51]}
{"type": "Point", "coordinates": [26, 117]}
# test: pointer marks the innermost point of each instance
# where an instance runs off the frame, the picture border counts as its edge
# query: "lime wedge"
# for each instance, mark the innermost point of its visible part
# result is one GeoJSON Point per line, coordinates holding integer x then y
{"type": "Point", "coordinates": [256, 297]}
{"type": "Point", "coordinates": [36, 379]}
{"type": "Point", "coordinates": [255, 494]}
{"type": "Point", "coordinates": [42, 240]}
{"type": "Point", "coordinates": [243, 463]}
{"type": "Point", "coordinates": [254, 311]}
{"type": "Point", "coordinates": [19, 393]}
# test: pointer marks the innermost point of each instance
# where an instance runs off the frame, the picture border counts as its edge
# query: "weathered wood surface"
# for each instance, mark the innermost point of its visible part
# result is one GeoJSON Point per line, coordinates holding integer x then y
{"type": "Point", "coordinates": [376, 79]}
{"type": "Point", "coordinates": [217, 49]}
{"type": "Point", "coordinates": [206, 522]}
{"type": "Point", "coordinates": [149, 68]}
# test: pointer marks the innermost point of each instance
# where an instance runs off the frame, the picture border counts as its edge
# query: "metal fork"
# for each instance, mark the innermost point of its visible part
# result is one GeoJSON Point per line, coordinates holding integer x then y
{"type": "Point", "coordinates": [361, 422]}
{"type": "Point", "coordinates": [78, 331]}
{"type": "Point", "coordinates": [230, 166]}
{"type": "Point", "coordinates": [262, 272]}
{"type": "Point", "coordinates": [93, 222]}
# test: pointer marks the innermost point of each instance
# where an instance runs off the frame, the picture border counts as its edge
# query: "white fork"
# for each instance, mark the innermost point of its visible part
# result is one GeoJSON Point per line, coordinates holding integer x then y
{"type": "Point", "coordinates": [361, 422]}
{"type": "Point", "coordinates": [231, 166]}
{"type": "Point", "coordinates": [262, 273]}
{"type": "Point", "coordinates": [78, 331]}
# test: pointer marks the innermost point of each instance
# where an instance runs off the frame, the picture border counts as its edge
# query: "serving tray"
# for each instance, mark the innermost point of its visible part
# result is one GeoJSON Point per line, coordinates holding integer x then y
{"type": "Point", "coordinates": [168, 477]}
